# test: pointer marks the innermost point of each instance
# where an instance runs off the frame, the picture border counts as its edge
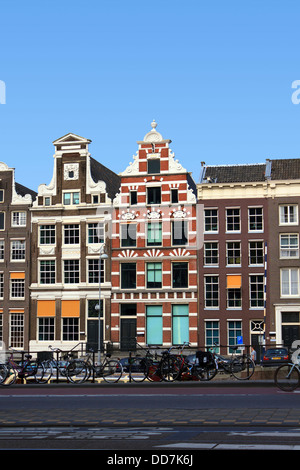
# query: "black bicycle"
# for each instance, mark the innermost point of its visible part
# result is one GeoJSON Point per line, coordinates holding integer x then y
{"type": "Point", "coordinates": [24, 369]}
{"type": "Point", "coordinates": [240, 366]}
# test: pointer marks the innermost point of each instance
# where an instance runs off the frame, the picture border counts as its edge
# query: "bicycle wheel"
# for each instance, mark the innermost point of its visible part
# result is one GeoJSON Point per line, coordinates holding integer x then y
{"type": "Point", "coordinates": [38, 372]}
{"type": "Point", "coordinates": [138, 369]}
{"type": "Point", "coordinates": [76, 371]}
{"type": "Point", "coordinates": [3, 372]}
{"type": "Point", "coordinates": [11, 376]}
{"type": "Point", "coordinates": [205, 373]}
{"type": "Point", "coordinates": [153, 372]}
{"type": "Point", "coordinates": [170, 369]}
{"type": "Point", "coordinates": [112, 371]}
{"type": "Point", "coordinates": [44, 375]}
{"type": "Point", "coordinates": [287, 377]}
{"type": "Point", "coordinates": [242, 367]}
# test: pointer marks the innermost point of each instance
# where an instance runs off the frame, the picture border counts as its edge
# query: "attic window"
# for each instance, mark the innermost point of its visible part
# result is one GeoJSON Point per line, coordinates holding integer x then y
{"type": "Point", "coordinates": [153, 166]}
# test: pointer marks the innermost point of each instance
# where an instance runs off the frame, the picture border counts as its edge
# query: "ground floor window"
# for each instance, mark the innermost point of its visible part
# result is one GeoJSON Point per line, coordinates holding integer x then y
{"type": "Point", "coordinates": [180, 324]}
{"type": "Point", "coordinates": [154, 324]}
{"type": "Point", "coordinates": [46, 329]}
{"type": "Point", "coordinates": [1, 330]}
{"type": "Point", "coordinates": [16, 330]}
{"type": "Point", "coordinates": [70, 329]}
{"type": "Point", "coordinates": [212, 333]}
{"type": "Point", "coordinates": [234, 330]}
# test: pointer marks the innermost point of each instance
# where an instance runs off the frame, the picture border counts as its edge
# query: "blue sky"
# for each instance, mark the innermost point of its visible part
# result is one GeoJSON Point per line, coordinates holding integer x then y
{"type": "Point", "coordinates": [216, 76]}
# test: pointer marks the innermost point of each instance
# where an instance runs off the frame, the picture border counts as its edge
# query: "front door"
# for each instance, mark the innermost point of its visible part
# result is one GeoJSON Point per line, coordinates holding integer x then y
{"type": "Point", "coordinates": [92, 335]}
{"type": "Point", "coordinates": [128, 334]}
{"type": "Point", "coordinates": [257, 346]}
{"type": "Point", "coordinates": [290, 333]}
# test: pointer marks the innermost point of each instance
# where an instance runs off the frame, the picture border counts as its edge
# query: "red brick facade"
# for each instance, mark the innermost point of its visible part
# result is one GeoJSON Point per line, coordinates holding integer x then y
{"type": "Point", "coordinates": [154, 240]}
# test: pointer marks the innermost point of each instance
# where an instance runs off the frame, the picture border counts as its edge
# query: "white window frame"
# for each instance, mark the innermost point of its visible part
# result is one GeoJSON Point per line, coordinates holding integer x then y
{"type": "Point", "coordinates": [206, 284]}
{"type": "Point", "coordinates": [50, 228]}
{"type": "Point", "coordinates": [47, 272]}
{"type": "Point", "coordinates": [233, 216]}
{"type": "Point", "coordinates": [234, 250]}
{"type": "Point", "coordinates": [95, 227]}
{"type": "Point", "coordinates": [70, 329]}
{"type": "Point", "coordinates": [2, 250]}
{"type": "Point", "coordinates": [208, 253]}
{"type": "Point", "coordinates": [19, 220]}
{"type": "Point", "coordinates": [1, 285]}
{"type": "Point", "coordinates": [16, 325]}
{"type": "Point", "coordinates": [66, 234]}
{"type": "Point", "coordinates": [18, 288]}
{"type": "Point", "coordinates": [289, 283]}
{"type": "Point", "coordinates": [288, 248]}
{"type": "Point", "coordinates": [282, 216]}
{"type": "Point", "coordinates": [91, 269]}
{"type": "Point", "coordinates": [205, 216]}
{"type": "Point", "coordinates": [74, 271]}
{"type": "Point", "coordinates": [14, 251]}
{"type": "Point", "coordinates": [44, 326]}
{"type": "Point", "coordinates": [256, 251]}
{"type": "Point", "coordinates": [256, 230]}
{"type": "Point", "coordinates": [253, 281]}
{"type": "Point", "coordinates": [71, 197]}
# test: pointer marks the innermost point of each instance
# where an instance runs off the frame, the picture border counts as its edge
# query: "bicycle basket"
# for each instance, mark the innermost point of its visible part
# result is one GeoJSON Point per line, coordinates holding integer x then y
{"type": "Point", "coordinates": [204, 359]}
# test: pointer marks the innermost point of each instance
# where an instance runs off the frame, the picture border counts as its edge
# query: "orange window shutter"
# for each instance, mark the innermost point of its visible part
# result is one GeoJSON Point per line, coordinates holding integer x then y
{"type": "Point", "coordinates": [70, 308]}
{"type": "Point", "coordinates": [234, 281]}
{"type": "Point", "coordinates": [17, 275]}
{"type": "Point", "coordinates": [46, 308]}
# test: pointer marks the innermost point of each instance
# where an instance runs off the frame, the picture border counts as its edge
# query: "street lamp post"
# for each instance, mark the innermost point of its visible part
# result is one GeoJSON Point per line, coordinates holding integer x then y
{"type": "Point", "coordinates": [98, 307]}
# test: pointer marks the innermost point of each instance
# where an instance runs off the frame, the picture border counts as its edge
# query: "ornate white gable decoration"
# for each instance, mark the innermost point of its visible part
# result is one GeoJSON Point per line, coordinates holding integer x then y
{"type": "Point", "coordinates": [179, 252]}
{"type": "Point", "coordinates": [153, 135]}
{"type": "Point", "coordinates": [71, 171]}
{"type": "Point", "coordinates": [154, 253]}
{"type": "Point", "coordinates": [179, 213]}
{"type": "Point", "coordinates": [128, 215]}
{"type": "Point", "coordinates": [133, 166]}
{"type": "Point", "coordinates": [16, 198]}
{"type": "Point", "coordinates": [154, 214]}
{"type": "Point", "coordinates": [128, 254]}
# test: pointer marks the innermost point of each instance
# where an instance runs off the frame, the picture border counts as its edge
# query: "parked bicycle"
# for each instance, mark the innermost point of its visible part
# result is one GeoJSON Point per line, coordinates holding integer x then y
{"type": "Point", "coordinates": [72, 369]}
{"type": "Point", "coordinates": [142, 365]}
{"type": "Point", "coordinates": [240, 366]}
{"type": "Point", "coordinates": [287, 377]}
{"type": "Point", "coordinates": [110, 370]}
{"type": "Point", "coordinates": [203, 367]}
{"type": "Point", "coordinates": [152, 367]}
{"type": "Point", "coordinates": [25, 369]}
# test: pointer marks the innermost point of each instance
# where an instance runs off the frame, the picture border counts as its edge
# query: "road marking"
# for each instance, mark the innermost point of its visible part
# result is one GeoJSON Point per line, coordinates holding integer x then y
{"type": "Point", "coordinates": [134, 433]}
{"type": "Point", "coordinates": [257, 447]}
{"type": "Point", "coordinates": [215, 446]}
{"type": "Point", "coordinates": [189, 445]}
{"type": "Point", "coordinates": [265, 434]}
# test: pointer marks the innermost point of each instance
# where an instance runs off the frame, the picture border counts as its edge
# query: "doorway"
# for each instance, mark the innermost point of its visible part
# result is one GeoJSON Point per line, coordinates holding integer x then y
{"type": "Point", "coordinates": [128, 334]}
{"type": "Point", "coordinates": [92, 335]}
{"type": "Point", "coordinates": [290, 333]}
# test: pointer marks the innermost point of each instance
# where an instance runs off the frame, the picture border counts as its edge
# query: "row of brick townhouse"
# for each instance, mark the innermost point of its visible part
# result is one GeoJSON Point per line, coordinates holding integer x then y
{"type": "Point", "coordinates": [203, 262]}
